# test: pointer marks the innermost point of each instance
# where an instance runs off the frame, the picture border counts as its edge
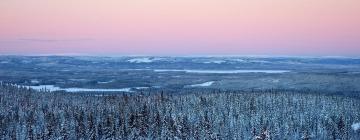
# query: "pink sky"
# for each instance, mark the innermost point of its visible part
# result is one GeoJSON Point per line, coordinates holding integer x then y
{"type": "Point", "coordinates": [180, 27]}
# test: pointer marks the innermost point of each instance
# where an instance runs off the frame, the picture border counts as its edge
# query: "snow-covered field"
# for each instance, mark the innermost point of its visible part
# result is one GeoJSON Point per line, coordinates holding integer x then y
{"type": "Point", "coordinates": [215, 62]}
{"type": "Point", "coordinates": [145, 59]}
{"type": "Point", "coordinates": [356, 126]}
{"type": "Point", "coordinates": [106, 82]}
{"type": "Point", "coordinates": [140, 60]}
{"type": "Point", "coordinates": [222, 71]}
{"type": "Point", "coordinates": [55, 88]}
{"type": "Point", "coordinates": [206, 84]}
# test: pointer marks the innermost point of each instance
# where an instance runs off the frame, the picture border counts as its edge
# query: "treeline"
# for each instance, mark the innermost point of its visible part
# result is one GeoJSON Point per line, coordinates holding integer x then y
{"type": "Point", "coordinates": [27, 114]}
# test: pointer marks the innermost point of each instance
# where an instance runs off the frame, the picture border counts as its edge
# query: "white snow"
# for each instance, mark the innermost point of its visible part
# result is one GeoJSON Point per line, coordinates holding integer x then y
{"type": "Point", "coordinates": [139, 88]}
{"type": "Point", "coordinates": [258, 61]}
{"type": "Point", "coordinates": [77, 80]}
{"type": "Point", "coordinates": [140, 60]}
{"type": "Point", "coordinates": [52, 88]}
{"type": "Point", "coordinates": [93, 90]}
{"type": "Point", "coordinates": [355, 126]}
{"type": "Point", "coordinates": [44, 87]}
{"type": "Point", "coordinates": [267, 80]}
{"type": "Point", "coordinates": [206, 84]}
{"type": "Point", "coordinates": [168, 70]}
{"type": "Point", "coordinates": [34, 81]}
{"type": "Point", "coordinates": [215, 62]}
{"type": "Point", "coordinates": [222, 71]}
{"type": "Point", "coordinates": [106, 82]}
{"type": "Point", "coordinates": [239, 60]}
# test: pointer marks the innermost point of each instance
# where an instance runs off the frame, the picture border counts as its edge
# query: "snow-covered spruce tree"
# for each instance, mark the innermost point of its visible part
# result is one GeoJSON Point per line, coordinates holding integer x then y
{"type": "Point", "coordinates": [198, 114]}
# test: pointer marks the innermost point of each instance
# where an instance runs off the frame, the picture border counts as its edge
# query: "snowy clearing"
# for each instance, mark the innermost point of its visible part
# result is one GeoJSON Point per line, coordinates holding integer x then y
{"type": "Point", "coordinates": [206, 84]}
{"type": "Point", "coordinates": [215, 62]}
{"type": "Point", "coordinates": [222, 71]}
{"type": "Point", "coordinates": [139, 88]}
{"type": "Point", "coordinates": [105, 82]}
{"type": "Point", "coordinates": [355, 126]}
{"type": "Point", "coordinates": [140, 60]}
{"type": "Point", "coordinates": [52, 88]}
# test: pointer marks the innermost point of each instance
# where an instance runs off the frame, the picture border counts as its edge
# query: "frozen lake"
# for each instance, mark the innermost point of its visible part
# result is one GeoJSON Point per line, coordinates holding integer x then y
{"type": "Point", "coordinates": [55, 88]}
{"type": "Point", "coordinates": [206, 84]}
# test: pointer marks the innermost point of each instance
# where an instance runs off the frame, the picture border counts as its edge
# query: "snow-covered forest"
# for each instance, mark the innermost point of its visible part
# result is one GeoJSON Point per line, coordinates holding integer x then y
{"type": "Point", "coordinates": [271, 114]}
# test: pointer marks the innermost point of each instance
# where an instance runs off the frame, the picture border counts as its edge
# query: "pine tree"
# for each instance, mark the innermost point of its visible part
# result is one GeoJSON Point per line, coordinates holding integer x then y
{"type": "Point", "coordinates": [109, 132]}
{"type": "Point", "coordinates": [91, 131]}
{"type": "Point", "coordinates": [80, 126]}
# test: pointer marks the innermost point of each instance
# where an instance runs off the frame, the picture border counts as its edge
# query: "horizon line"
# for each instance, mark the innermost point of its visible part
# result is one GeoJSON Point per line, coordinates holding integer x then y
{"type": "Point", "coordinates": [180, 55]}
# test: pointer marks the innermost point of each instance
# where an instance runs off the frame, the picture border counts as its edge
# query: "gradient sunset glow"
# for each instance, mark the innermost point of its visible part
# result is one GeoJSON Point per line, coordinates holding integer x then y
{"type": "Point", "coordinates": [180, 27]}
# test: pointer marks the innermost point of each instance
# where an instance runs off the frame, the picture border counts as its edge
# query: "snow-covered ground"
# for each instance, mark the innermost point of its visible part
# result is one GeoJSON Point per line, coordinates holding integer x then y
{"type": "Point", "coordinates": [55, 88]}
{"type": "Point", "coordinates": [356, 126]}
{"type": "Point", "coordinates": [94, 90]}
{"type": "Point", "coordinates": [45, 87]}
{"type": "Point", "coordinates": [138, 88]}
{"type": "Point", "coordinates": [215, 62]}
{"type": "Point", "coordinates": [106, 82]}
{"type": "Point", "coordinates": [140, 60]}
{"type": "Point", "coordinates": [34, 81]}
{"type": "Point", "coordinates": [222, 71]}
{"type": "Point", "coordinates": [206, 84]}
